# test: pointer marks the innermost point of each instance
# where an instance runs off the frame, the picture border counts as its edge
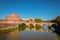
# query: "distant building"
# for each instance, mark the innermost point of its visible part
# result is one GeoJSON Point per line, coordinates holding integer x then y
{"type": "Point", "coordinates": [13, 18]}
{"type": "Point", "coordinates": [27, 21]}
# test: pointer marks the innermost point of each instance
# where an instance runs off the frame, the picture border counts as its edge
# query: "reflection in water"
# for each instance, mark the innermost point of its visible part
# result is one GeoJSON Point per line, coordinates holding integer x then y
{"type": "Point", "coordinates": [53, 29]}
{"type": "Point", "coordinates": [45, 27]}
{"type": "Point", "coordinates": [29, 35]}
{"type": "Point", "coordinates": [14, 35]}
{"type": "Point", "coordinates": [36, 35]}
{"type": "Point", "coordinates": [2, 36]}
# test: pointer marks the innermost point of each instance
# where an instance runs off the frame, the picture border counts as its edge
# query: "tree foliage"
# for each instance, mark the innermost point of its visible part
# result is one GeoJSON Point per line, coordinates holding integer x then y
{"type": "Point", "coordinates": [58, 19]}
{"type": "Point", "coordinates": [31, 19]}
{"type": "Point", "coordinates": [22, 26]}
{"type": "Point", "coordinates": [37, 20]}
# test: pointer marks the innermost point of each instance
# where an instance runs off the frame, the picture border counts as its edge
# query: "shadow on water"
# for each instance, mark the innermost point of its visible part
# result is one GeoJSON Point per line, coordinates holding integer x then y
{"type": "Point", "coordinates": [56, 29]}
{"type": "Point", "coordinates": [2, 37]}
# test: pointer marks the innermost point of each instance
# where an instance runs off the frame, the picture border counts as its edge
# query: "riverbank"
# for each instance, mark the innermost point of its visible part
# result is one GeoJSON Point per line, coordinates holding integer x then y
{"type": "Point", "coordinates": [58, 37]}
{"type": "Point", "coordinates": [4, 30]}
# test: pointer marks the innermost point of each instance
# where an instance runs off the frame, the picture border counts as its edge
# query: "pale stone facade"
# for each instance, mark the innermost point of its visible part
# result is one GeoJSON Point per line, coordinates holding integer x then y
{"type": "Point", "coordinates": [13, 19]}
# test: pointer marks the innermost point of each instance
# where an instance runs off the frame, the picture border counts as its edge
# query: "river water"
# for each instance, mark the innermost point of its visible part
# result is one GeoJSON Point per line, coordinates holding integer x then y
{"type": "Point", "coordinates": [28, 35]}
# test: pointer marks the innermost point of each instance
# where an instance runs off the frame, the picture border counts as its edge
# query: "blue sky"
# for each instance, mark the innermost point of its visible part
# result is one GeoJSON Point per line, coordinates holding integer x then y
{"type": "Point", "coordinates": [44, 9]}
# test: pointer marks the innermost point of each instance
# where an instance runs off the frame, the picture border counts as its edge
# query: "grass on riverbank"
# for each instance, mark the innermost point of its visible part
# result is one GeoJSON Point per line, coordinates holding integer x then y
{"type": "Point", "coordinates": [58, 37]}
{"type": "Point", "coordinates": [8, 30]}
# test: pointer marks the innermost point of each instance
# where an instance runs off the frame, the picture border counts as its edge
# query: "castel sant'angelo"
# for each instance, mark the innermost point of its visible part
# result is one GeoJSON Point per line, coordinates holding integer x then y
{"type": "Point", "coordinates": [11, 19]}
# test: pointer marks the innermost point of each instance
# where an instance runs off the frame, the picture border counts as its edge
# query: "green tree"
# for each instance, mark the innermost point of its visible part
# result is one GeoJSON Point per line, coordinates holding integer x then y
{"type": "Point", "coordinates": [37, 20]}
{"type": "Point", "coordinates": [31, 19]}
{"type": "Point", "coordinates": [53, 20]}
{"type": "Point", "coordinates": [22, 26]}
{"type": "Point", "coordinates": [58, 19]}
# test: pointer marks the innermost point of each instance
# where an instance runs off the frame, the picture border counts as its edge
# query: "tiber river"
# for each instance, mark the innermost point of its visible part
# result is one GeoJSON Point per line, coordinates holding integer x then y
{"type": "Point", "coordinates": [29, 35]}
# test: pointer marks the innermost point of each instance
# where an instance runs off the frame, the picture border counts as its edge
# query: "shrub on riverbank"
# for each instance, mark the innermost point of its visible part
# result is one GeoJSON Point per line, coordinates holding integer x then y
{"type": "Point", "coordinates": [58, 36]}
{"type": "Point", "coordinates": [8, 30]}
{"type": "Point", "coordinates": [22, 27]}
